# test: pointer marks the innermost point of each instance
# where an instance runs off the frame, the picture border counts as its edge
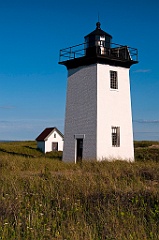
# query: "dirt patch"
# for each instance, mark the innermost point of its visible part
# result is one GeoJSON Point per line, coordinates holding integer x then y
{"type": "Point", "coordinates": [154, 146]}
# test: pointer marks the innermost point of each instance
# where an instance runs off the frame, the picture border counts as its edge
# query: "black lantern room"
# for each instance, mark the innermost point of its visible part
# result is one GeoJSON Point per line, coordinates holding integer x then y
{"type": "Point", "coordinates": [97, 41]}
{"type": "Point", "coordinates": [98, 48]}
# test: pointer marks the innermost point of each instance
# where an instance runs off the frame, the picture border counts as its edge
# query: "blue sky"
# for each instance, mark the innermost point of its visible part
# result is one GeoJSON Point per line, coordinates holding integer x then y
{"type": "Point", "coordinates": [33, 85]}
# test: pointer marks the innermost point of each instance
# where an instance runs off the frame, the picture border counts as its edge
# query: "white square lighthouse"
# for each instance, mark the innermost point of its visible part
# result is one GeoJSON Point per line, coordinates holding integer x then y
{"type": "Point", "coordinates": [98, 120]}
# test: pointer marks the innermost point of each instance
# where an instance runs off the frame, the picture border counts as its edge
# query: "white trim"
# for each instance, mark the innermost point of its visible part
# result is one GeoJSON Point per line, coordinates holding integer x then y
{"type": "Point", "coordinates": [79, 136]}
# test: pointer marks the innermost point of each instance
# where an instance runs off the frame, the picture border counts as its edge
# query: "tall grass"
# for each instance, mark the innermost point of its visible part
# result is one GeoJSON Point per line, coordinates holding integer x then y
{"type": "Point", "coordinates": [44, 198]}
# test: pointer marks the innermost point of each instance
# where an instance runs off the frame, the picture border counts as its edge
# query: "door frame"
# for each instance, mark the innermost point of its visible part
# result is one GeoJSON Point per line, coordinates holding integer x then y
{"type": "Point", "coordinates": [79, 149]}
{"type": "Point", "coordinates": [56, 145]}
{"type": "Point", "coordinates": [76, 137]}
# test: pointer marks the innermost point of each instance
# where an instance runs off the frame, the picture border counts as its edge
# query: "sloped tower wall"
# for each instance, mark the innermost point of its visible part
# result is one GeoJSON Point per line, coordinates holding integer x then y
{"type": "Point", "coordinates": [81, 112]}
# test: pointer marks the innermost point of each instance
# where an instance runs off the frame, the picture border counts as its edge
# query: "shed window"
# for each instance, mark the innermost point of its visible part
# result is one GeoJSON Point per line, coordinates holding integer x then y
{"type": "Point", "coordinates": [113, 80]}
{"type": "Point", "coordinates": [116, 136]}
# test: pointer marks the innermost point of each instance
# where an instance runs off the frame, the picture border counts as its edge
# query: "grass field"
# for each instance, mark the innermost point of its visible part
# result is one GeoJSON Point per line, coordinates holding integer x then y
{"type": "Point", "coordinates": [43, 198]}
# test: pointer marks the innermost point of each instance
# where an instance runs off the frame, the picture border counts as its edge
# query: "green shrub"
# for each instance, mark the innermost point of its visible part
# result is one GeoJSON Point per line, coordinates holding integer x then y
{"type": "Point", "coordinates": [143, 144]}
{"type": "Point", "coordinates": [56, 155]}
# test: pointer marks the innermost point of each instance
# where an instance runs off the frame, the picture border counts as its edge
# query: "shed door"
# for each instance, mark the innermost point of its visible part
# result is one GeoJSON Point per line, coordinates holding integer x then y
{"type": "Point", "coordinates": [79, 150]}
{"type": "Point", "coordinates": [55, 146]}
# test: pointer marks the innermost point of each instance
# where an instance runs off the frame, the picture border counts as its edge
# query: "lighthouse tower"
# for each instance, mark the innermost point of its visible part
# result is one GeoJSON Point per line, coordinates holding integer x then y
{"type": "Point", "coordinates": [98, 120]}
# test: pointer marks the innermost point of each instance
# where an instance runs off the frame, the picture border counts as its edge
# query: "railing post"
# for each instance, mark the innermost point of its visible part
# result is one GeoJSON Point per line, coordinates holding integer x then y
{"type": "Point", "coordinates": [60, 56]}
{"type": "Point", "coordinates": [70, 52]}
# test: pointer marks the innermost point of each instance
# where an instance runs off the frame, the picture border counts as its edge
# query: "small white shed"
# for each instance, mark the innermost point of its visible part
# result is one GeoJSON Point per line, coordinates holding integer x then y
{"type": "Point", "coordinates": [51, 139]}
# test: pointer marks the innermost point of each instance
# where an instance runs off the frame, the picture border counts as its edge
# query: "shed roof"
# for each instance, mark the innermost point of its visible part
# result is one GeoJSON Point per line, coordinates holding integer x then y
{"type": "Point", "coordinates": [47, 132]}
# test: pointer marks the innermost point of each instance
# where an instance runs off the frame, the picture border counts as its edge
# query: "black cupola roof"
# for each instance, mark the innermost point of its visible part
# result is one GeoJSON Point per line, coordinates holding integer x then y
{"type": "Point", "coordinates": [98, 31]}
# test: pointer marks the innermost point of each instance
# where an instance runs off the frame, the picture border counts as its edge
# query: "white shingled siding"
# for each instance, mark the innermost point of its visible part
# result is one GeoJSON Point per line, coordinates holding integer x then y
{"type": "Point", "coordinates": [114, 109]}
{"type": "Point", "coordinates": [51, 139]}
{"type": "Point", "coordinates": [81, 112]}
{"type": "Point", "coordinates": [46, 146]}
{"type": "Point", "coordinates": [92, 109]}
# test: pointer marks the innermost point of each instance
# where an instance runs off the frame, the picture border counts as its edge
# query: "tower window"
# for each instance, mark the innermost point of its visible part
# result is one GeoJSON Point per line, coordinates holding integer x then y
{"type": "Point", "coordinates": [113, 80]}
{"type": "Point", "coordinates": [116, 136]}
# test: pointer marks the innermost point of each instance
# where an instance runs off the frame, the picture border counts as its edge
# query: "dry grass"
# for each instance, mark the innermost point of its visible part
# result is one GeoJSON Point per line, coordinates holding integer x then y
{"type": "Point", "coordinates": [44, 198]}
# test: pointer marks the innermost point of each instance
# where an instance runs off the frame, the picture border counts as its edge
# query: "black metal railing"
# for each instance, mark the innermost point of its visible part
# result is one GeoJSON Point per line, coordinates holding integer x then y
{"type": "Point", "coordinates": [116, 51]}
